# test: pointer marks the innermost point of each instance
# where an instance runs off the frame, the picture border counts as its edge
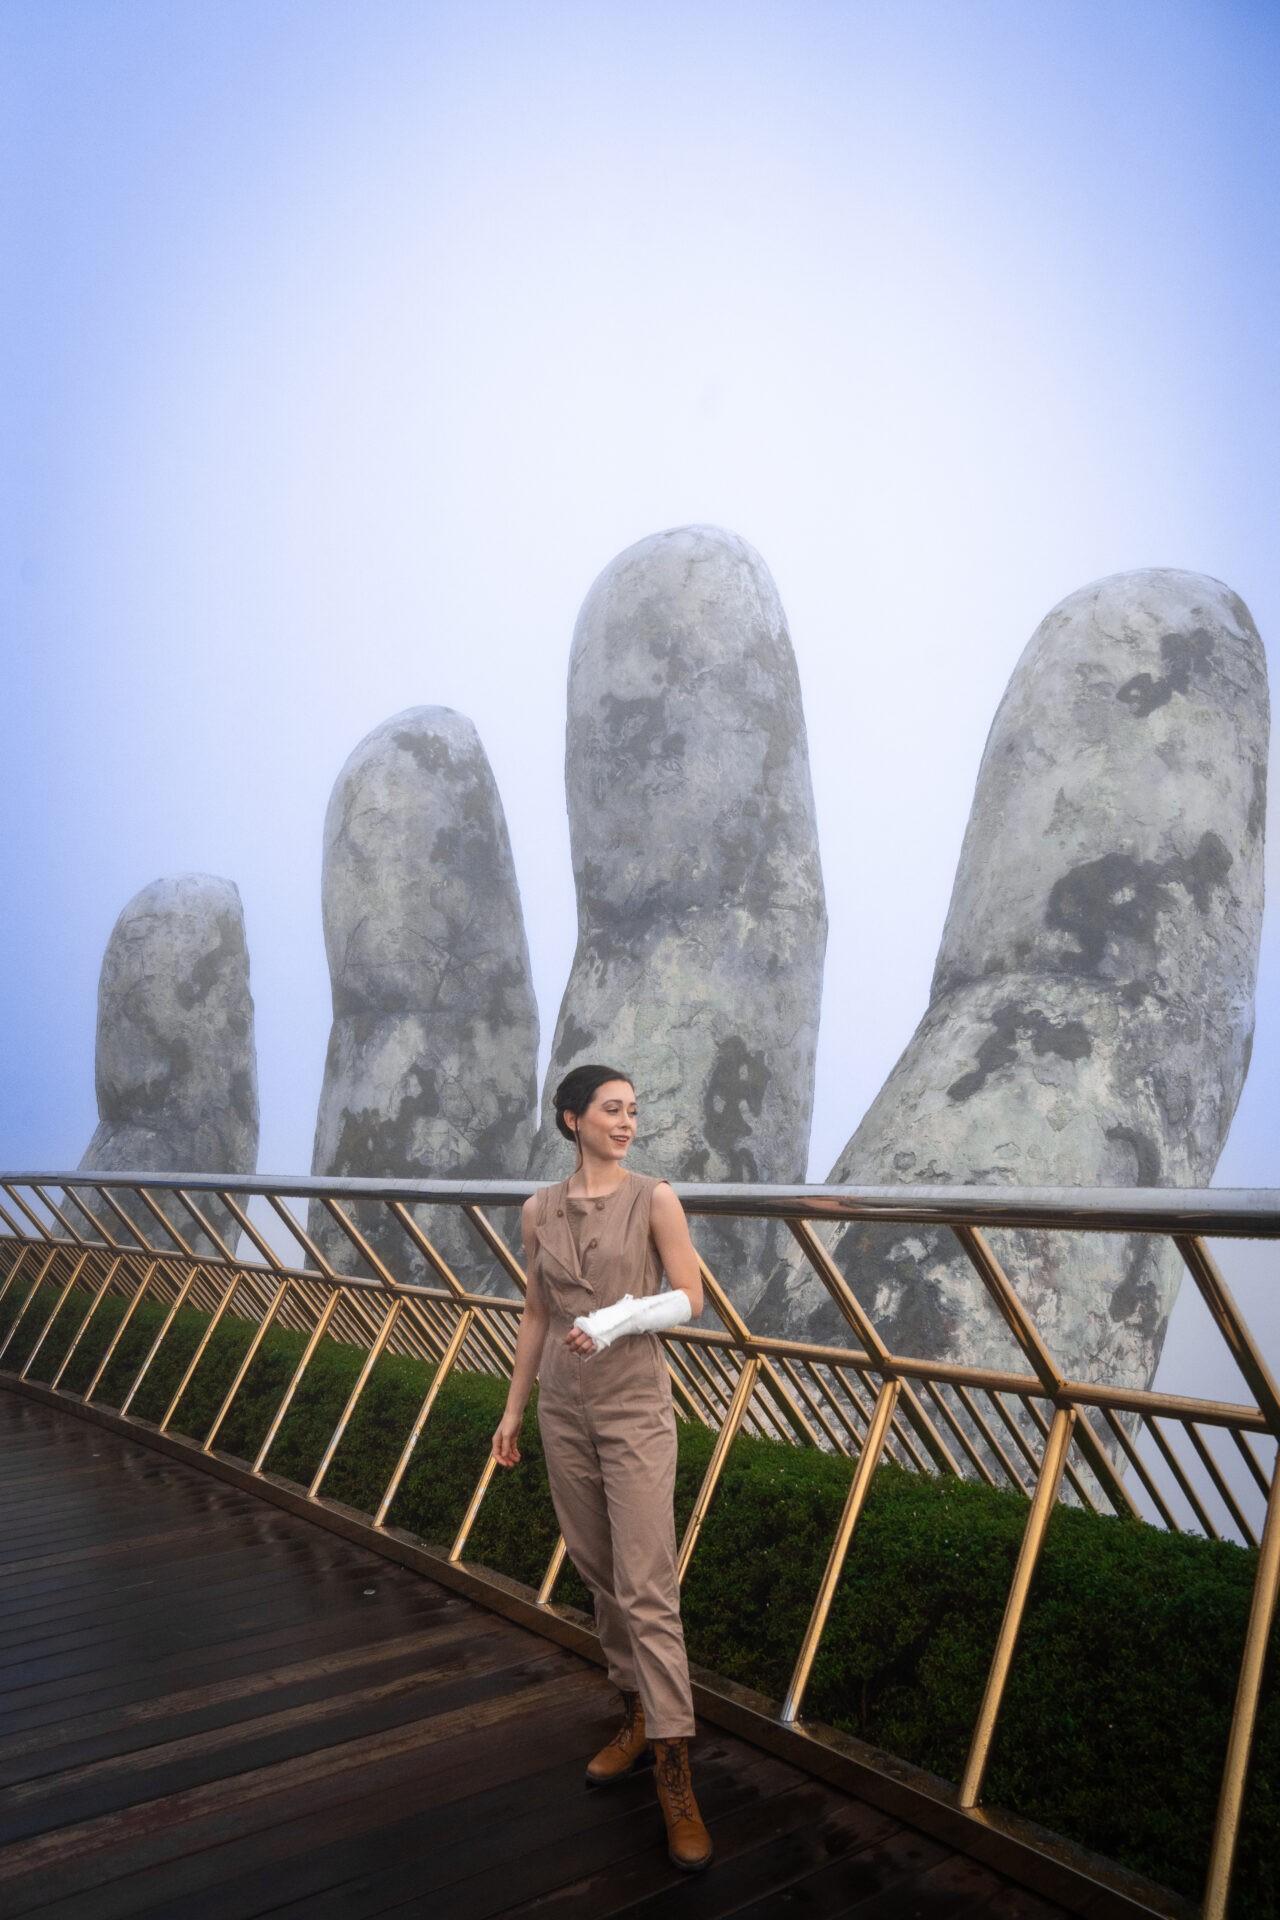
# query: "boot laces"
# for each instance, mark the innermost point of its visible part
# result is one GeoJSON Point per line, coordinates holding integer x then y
{"type": "Point", "coordinates": [677, 1781]}
{"type": "Point", "coordinates": [630, 1709]}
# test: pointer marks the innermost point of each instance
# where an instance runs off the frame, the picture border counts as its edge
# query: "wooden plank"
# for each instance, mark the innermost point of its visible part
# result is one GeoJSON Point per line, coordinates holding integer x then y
{"type": "Point", "coordinates": [244, 1872]}
{"type": "Point", "coordinates": [478, 1671]}
{"type": "Point", "coordinates": [78, 1741]}
{"type": "Point", "coordinates": [224, 1710]}
{"type": "Point", "coordinates": [90, 1852]}
{"type": "Point", "coordinates": [760, 1850]}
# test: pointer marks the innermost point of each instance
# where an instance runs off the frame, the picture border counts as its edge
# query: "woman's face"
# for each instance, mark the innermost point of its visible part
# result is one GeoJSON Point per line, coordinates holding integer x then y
{"type": "Point", "coordinates": [607, 1126]}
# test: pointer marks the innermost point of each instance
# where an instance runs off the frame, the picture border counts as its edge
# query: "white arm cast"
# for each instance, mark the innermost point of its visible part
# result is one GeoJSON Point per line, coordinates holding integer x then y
{"type": "Point", "coordinates": [654, 1314]}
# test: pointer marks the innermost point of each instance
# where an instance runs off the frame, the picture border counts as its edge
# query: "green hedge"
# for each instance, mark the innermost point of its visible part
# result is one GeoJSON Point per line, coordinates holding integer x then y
{"type": "Point", "coordinates": [1115, 1719]}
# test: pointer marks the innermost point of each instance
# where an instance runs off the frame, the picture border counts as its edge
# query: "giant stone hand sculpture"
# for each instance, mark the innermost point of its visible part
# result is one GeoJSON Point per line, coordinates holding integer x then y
{"type": "Point", "coordinates": [701, 916]}
{"type": "Point", "coordinates": [175, 1066]}
{"type": "Point", "coordinates": [1092, 1007]}
{"type": "Point", "coordinates": [433, 1050]}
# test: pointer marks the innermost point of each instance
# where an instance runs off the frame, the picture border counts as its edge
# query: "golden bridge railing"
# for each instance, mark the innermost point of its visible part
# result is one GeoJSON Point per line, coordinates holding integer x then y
{"type": "Point", "coordinates": [1184, 1463]}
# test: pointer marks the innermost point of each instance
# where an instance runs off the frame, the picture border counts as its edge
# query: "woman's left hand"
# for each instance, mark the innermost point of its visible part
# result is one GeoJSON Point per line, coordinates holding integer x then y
{"type": "Point", "coordinates": [579, 1342]}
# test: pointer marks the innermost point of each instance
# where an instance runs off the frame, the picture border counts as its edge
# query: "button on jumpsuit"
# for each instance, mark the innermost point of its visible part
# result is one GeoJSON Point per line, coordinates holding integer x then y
{"type": "Point", "coordinates": [609, 1437]}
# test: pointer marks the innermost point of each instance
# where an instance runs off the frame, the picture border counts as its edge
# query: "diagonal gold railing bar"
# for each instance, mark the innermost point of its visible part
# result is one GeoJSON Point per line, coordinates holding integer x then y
{"type": "Point", "coordinates": [842, 1396]}
{"type": "Point", "coordinates": [1230, 1323]}
{"type": "Point", "coordinates": [814, 1411]}
{"type": "Point", "coordinates": [215, 1321]}
{"type": "Point", "coordinates": [997, 1282]}
{"type": "Point", "coordinates": [41, 1226]}
{"type": "Point", "coordinates": [125, 1319]}
{"type": "Point", "coordinates": [1046, 1493]}
{"type": "Point", "coordinates": [1247, 1454]}
{"type": "Point", "coordinates": [498, 1248]}
{"type": "Point", "coordinates": [881, 1359]}
{"type": "Point", "coordinates": [859, 1487]}
{"type": "Point", "coordinates": [299, 1233]}
{"type": "Point", "coordinates": [1262, 1612]}
{"type": "Point", "coordinates": [113, 1267]}
{"type": "Point", "coordinates": [165, 1224]}
{"type": "Point", "coordinates": [555, 1567]}
{"type": "Point", "coordinates": [1185, 1487]}
{"type": "Point", "coordinates": [715, 1467]}
{"type": "Point", "coordinates": [93, 1233]}
{"type": "Point", "coordinates": [990, 1441]}
{"type": "Point", "coordinates": [371, 1359]}
{"type": "Point", "coordinates": [246, 1226]}
{"type": "Point", "coordinates": [463, 1534]}
{"type": "Point", "coordinates": [136, 1241]}
{"type": "Point", "coordinates": [1220, 1486]}
{"type": "Point", "coordinates": [32, 1291]}
{"type": "Point", "coordinates": [686, 1381]}
{"type": "Point", "coordinates": [76, 1270]}
{"type": "Point", "coordinates": [367, 1254]}
{"type": "Point", "coordinates": [179, 1301]}
{"type": "Point", "coordinates": [27, 1245]}
{"type": "Point", "coordinates": [41, 1194]}
{"type": "Point", "coordinates": [205, 1226]}
{"type": "Point", "coordinates": [15, 1231]}
{"type": "Point", "coordinates": [1139, 1466]}
{"type": "Point", "coordinates": [441, 1374]}
{"type": "Point", "coordinates": [430, 1253]}
{"type": "Point", "coordinates": [843, 1295]}
{"type": "Point", "coordinates": [286, 1400]}
{"type": "Point", "coordinates": [251, 1355]}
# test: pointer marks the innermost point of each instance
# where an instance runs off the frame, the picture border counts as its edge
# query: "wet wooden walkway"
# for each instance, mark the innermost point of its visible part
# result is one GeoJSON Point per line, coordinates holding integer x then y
{"type": "Point", "coordinates": [212, 1710]}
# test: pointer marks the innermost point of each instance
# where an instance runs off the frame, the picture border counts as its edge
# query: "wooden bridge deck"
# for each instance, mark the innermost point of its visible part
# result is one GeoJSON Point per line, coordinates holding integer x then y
{"type": "Point", "coordinates": [211, 1709]}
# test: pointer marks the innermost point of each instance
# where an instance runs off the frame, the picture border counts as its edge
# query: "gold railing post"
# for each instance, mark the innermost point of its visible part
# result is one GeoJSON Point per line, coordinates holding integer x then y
{"type": "Point", "coordinates": [249, 1358]}
{"type": "Point", "coordinates": [1055, 1459]}
{"type": "Point", "coordinates": [119, 1333]}
{"type": "Point", "coordinates": [317, 1335]}
{"type": "Point", "coordinates": [882, 1361]}
{"type": "Point", "coordinates": [1020, 1325]}
{"type": "Point", "coordinates": [32, 1290]}
{"type": "Point", "coordinates": [158, 1342]}
{"type": "Point", "coordinates": [56, 1309]}
{"type": "Point", "coordinates": [113, 1266]}
{"type": "Point", "coordinates": [458, 1548]}
{"type": "Point", "coordinates": [370, 1361]}
{"type": "Point", "coordinates": [498, 1248]}
{"type": "Point", "coordinates": [443, 1369]}
{"type": "Point", "coordinates": [215, 1321]}
{"type": "Point", "coordinates": [558, 1555]}
{"type": "Point", "coordinates": [28, 1246]}
{"type": "Point", "coordinates": [1227, 1318]}
{"type": "Point", "coordinates": [1226, 1827]}
{"type": "Point", "coordinates": [868, 1460]}
{"type": "Point", "coordinates": [711, 1478]}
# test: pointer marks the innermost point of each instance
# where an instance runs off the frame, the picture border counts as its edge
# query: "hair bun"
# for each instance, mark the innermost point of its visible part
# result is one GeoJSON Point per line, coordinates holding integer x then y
{"type": "Point", "coordinates": [575, 1091]}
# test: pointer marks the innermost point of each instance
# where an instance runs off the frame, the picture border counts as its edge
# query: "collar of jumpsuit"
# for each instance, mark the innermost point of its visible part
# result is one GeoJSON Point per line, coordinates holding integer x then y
{"type": "Point", "coordinates": [581, 1243]}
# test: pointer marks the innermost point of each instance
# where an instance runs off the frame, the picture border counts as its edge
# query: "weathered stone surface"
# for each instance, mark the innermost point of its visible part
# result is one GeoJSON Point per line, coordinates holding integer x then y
{"type": "Point", "coordinates": [701, 915]}
{"type": "Point", "coordinates": [1092, 1008]}
{"type": "Point", "coordinates": [432, 1055]}
{"type": "Point", "coordinates": [175, 1069]}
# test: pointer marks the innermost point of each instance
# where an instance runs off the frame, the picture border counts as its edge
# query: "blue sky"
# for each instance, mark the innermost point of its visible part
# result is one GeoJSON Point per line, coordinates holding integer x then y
{"type": "Point", "coordinates": [342, 345]}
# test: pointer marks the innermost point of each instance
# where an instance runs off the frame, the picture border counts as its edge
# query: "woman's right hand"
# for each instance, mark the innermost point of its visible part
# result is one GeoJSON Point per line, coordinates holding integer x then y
{"type": "Point", "coordinates": [506, 1434]}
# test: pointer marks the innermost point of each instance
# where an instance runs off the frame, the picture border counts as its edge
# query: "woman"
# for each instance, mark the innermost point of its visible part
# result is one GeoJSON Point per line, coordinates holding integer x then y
{"type": "Point", "coordinates": [596, 1247]}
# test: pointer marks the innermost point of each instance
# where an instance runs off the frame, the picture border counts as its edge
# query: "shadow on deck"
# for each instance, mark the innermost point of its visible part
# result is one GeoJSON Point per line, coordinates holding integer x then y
{"type": "Point", "coordinates": [212, 1709]}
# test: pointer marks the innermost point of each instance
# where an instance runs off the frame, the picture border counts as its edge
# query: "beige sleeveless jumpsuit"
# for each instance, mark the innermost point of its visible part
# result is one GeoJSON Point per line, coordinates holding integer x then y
{"type": "Point", "coordinates": [609, 1436]}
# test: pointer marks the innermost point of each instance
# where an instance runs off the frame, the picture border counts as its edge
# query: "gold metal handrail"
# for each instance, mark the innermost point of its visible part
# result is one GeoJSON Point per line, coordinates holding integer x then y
{"type": "Point", "coordinates": [1112, 1446]}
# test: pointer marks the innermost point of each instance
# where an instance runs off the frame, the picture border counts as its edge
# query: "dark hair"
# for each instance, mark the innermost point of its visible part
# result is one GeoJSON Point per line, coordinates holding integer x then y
{"type": "Point", "coordinates": [574, 1094]}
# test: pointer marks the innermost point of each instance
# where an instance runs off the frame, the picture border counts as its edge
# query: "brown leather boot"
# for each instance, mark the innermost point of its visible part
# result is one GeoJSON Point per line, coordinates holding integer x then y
{"type": "Point", "coordinates": [688, 1842]}
{"type": "Point", "coordinates": [627, 1752]}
